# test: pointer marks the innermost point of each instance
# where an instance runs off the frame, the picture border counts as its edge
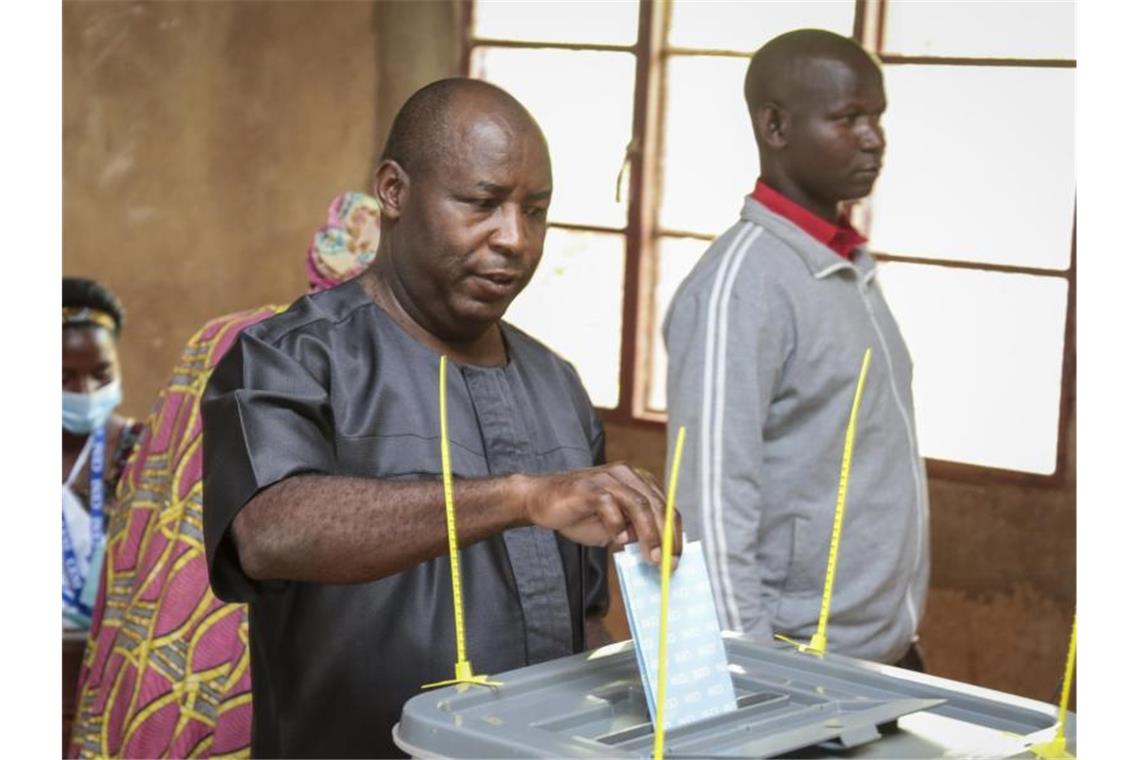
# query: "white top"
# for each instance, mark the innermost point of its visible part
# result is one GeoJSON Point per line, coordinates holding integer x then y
{"type": "Point", "coordinates": [78, 521]}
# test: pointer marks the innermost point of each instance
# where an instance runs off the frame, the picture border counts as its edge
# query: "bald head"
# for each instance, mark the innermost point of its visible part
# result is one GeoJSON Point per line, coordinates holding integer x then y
{"type": "Point", "coordinates": [464, 186]}
{"type": "Point", "coordinates": [430, 121]}
{"type": "Point", "coordinates": [815, 100]}
{"type": "Point", "coordinates": [779, 71]}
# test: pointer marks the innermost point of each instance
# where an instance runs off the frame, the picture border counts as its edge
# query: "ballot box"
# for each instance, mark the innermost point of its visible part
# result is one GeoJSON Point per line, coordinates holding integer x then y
{"type": "Point", "coordinates": [787, 703]}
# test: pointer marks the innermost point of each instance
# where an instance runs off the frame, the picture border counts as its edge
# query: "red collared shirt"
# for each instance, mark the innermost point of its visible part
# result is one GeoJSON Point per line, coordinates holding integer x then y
{"type": "Point", "coordinates": [841, 238]}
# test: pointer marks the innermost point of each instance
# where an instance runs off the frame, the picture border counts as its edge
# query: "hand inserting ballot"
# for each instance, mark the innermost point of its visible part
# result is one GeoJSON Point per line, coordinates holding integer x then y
{"type": "Point", "coordinates": [610, 505]}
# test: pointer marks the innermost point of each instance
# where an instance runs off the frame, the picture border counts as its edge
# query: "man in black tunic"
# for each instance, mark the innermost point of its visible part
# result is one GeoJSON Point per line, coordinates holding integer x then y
{"type": "Point", "coordinates": [323, 502]}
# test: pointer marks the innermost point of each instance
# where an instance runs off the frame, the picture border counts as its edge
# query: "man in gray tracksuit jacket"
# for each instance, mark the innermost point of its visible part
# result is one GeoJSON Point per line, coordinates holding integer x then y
{"type": "Point", "coordinates": [765, 341]}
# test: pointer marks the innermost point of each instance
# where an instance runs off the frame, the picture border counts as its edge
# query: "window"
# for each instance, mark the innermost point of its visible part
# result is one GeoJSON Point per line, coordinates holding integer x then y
{"type": "Point", "coordinates": [972, 219]}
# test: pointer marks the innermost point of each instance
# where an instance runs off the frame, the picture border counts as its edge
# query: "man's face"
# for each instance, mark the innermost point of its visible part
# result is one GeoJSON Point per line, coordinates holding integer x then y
{"type": "Point", "coordinates": [835, 143]}
{"type": "Point", "coordinates": [473, 225]}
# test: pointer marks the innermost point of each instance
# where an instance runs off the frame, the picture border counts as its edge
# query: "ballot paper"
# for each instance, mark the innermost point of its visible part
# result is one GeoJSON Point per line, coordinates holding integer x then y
{"type": "Point", "coordinates": [698, 684]}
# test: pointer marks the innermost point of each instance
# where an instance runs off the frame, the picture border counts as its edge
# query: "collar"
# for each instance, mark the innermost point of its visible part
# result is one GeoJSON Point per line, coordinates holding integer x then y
{"type": "Point", "coordinates": [820, 260]}
{"type": "Point", "coordinates": [841, 238]}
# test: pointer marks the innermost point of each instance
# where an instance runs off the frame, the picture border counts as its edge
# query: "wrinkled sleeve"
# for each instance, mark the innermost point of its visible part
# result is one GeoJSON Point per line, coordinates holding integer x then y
{"type": "Point", "coordinates": [264, 418]}
{"type": "Point", "coordinates": [597, 558]}
{"type": "Point", "coordinates": [725, 358]}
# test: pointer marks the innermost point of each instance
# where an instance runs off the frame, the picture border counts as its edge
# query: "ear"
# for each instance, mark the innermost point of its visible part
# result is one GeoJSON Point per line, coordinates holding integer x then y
{"type": "Point", "coordinates": [390, 186]}
{"type": "Point", "coordinates": [770, 124]}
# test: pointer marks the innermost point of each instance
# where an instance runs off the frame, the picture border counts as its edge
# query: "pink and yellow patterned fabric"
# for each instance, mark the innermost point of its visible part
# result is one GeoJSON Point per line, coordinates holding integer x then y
{"type": "Point", "coordinates": [166, 671]}
{"type": "Point", "coordinates": [166, 668]}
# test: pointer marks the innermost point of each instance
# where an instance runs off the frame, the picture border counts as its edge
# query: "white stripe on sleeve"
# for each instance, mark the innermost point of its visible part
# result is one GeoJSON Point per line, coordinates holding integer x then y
{"type": "Point", "coordinates": [712, 424]}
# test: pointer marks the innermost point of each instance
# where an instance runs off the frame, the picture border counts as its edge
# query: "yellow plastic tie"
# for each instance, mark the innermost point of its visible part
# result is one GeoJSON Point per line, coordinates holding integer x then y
{"type": "Point", "coordinates": [1057, 747]}
{"type": "Point", "coordinates": [463, 672]}
{"type": "Point", "coordinates": [666, 571]}
{"type": "Point", "coordinates": [818, 643]}
{"type": "Point", "coordinates": [799, 645]}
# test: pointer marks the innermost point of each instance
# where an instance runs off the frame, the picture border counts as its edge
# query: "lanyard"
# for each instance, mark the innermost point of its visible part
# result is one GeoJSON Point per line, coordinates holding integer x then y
{"type": "Point", "coordinates": [72, 575]}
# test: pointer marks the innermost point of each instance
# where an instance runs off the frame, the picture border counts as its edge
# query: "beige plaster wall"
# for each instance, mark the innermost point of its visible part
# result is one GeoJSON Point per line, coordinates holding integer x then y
{"type": "Point", "coordinates": [203, 141]}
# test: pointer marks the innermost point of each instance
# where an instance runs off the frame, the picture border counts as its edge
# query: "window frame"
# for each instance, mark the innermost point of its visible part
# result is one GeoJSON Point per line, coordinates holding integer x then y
{"type": "Point", "coordinates": [644, 157]}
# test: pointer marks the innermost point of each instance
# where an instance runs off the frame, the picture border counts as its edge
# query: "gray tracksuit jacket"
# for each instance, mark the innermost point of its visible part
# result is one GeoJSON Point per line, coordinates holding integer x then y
{"type": "Point", "coordinates": [765, 339]}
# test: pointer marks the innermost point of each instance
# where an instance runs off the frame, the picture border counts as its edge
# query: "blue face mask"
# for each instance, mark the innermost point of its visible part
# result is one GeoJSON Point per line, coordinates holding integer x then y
{"type": "Point", "coordinates": [83, 412]}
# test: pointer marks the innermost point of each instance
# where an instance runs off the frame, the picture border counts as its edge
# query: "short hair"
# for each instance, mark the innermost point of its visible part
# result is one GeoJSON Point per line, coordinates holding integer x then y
{"type": "Point", "coordinates": [82, 293]}
{"type": "Point", "coordinates": [771, 66]}
{"type": "Point", "coordinates": [419, 134]}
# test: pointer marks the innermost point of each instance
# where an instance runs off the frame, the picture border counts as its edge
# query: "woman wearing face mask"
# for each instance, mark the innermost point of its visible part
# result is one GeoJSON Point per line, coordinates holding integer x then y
{"type": "Point", "coordinates": [96, 442]}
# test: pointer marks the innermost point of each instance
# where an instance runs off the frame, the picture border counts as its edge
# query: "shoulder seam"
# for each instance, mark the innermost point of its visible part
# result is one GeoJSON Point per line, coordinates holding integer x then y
{"type": "Point", "coordinates": [323, 317]}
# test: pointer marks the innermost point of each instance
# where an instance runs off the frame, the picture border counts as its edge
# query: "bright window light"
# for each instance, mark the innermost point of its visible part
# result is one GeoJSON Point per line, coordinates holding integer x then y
{"type": "Point", "coordinates": [613, 22]}
{"type": "Point", "coordinates": [987, 350]}
{"type": "Point", "coordinates": [573, 305]}
{"type": "Point", "coordinates": [993, 29]}
{"type": "Point", "coordinates": [709, 164]}
{"type": "Point", "coordinates": [584, 102]}
{"type": "Point", "coordinates": [745, 26]}
{"type": "Point", "coordinates": [675, 259]}
{"type": "Point", "coordinates": [979, 165]}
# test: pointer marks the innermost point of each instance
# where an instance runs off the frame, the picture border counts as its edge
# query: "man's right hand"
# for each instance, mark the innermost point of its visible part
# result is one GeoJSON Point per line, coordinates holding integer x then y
{"type": "Point", "coordinates": [609, 505]}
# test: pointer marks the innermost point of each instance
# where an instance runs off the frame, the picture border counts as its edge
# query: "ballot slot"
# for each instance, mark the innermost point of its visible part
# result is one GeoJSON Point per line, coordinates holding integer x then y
{"type": "Point", "coordinates": [745, 705]}
{"type": "Point", "coordinates": [619, 713]}
{"type": "Point", "coordinates": [622, 721]}
{"type": "Point", "coordinates": [785, 719]}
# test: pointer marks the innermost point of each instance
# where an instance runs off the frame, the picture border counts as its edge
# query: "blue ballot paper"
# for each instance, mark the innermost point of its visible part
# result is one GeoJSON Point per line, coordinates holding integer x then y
{"type": "Point", "coordinates": [698, 685]}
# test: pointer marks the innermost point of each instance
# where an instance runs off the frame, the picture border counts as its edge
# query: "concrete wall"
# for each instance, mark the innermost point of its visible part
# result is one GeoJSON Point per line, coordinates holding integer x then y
{"type": "Point", "coordinates": [203, 141]}
{"type": "Point", "coordinates": [201, 145]}
{"type": "Point", "coordinates": [1003, 586]}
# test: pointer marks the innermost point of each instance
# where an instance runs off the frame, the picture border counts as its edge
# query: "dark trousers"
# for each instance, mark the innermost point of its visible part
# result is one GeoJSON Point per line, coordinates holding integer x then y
{"type": "Point", "coordinates": [912, 660]}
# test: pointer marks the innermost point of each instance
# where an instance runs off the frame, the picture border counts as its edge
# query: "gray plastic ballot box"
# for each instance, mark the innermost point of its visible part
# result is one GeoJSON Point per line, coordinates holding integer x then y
{"type": "Point", "coordinates": [788, 703]}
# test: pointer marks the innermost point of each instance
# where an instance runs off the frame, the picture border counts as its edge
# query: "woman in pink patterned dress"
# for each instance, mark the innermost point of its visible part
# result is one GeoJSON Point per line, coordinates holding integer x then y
{"type": "Point", "coordinates": [166, 671]}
